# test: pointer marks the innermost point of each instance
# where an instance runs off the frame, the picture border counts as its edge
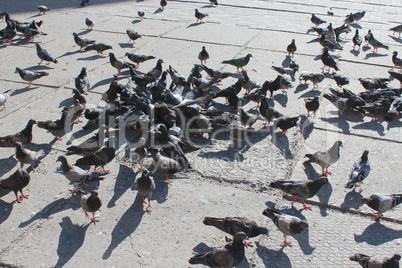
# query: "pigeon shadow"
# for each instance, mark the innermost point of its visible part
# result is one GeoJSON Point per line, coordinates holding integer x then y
{"type": "Point", "coordinates": [226, 156]}
{"type": "Point", "coordinates": [352, 200]}
{"type": "Point", "coordinates": [195, 24]}
{"type": "Point", "coordinates": [94, 57]}
{"type": "Point", "coordinates": [306, 127]}
{"type": "Point", "coordinates": [79, 134]}
{"type": "Point", "coordinates": [356, 26]}
{"type": "Point", "coordinates": [135, 21]}
{"type": "Point", "coordinates": [324, 194]}
{"type": "Point", "coordinates": [71, 239]}
{"type": "Point", "coordinates": [7, 164]}
{"type": "Point", "coordinates": [39, 67]}
{"type": "Point", "coordinates": [5, 209]}
{"type": "Point", "coordinates": [396, 39]}
{"type": "Point", "coordinates": [300, 88]}
{"type": "Point", "coordinates": [282, 99]}
{"type": "Point", "coordinates": [372, 55]}
{"type": "Point", "coordinates": [124, 180]}
{"type": "Point", "coordinates": [286, 61]}
{"type": "Point", "coordinates": [310, 172]}
{"type": "Point", "coordinates": [66, 103]}
{"type": "Point", "coordinates": [126, 45]}
{"type": "Point", "coordinates": [159, 10]}
{"type": "Point", "coordinates": [340, 123]}
{"type": "Point", "coordinates": [34, 16]}
{"type": "Point", "coordinates": [366, 48]}
{"type": "Point", "coordinates": [255, 138]}
{"type": "Point", "coordinates": [281, 141]}
{"type": "Point", "coordinates": [273, 258]}
{"type": "Point", "coordinates": [371, 125]}
{"type": "Point", "coordinates": [53, 208]}
{"type": "Point", "coordinates": [355, 52]}
{"type": "Point", "coordinates": [127, 225]}
{"type": "Point", "coordinates": [311, 93]}
{"type": "Point", "coordinates": [394, 124]}
{"type": "Point", "coordinates": [161, 191]}
{"type": "Point", "coordinates": [377, 234]}
{"type": "Point", "coordinates": [69, 53]}
{"type": "Point", "coordinates": [102, 83]}
{"type": "Point", "coordinates": [84, 32]}
{"type": "Point", "coordinates": [208, 6]}
{"type": "Point", "coordinates": [315, 40]}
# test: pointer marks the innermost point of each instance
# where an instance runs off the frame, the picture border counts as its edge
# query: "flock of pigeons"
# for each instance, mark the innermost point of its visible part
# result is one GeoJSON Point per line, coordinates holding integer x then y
{"type": "Point", "coordinates": [159, 115]}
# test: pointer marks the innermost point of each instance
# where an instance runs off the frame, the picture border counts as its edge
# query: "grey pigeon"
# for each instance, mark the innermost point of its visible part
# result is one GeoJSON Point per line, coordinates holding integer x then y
{"type": "Point", "coordinates": [138, 153]}
{"type": "Point", "coordinates": [328, 60]}
{"type": "Point", "coordinates": [233, 225]}
{"type": "Point", "coordinates": [326, 43]}
{"type": "Point", "coordinates": [268, 112]}
{"type": "Point", "coordinates": [316, 20]}
{"type": "Point", "coordinates": [301, 190]}
{"type": "Point", "coordinates": [77, 175]}
{"type": "Point", "coordinates": [396, 75]}
{"type": "Point", "coordinates": [42, 9]}
{"type": "Point", "coordinates": [141, 14]}
{"type": "Point", "coordinates": [90, 202]}
{"type": "Point", "coordinates": [24, 136]}
{"type": "Point", "coordinates": [30, 76]}
{"type": "Point", "coordinates": [9, 33]}
{"type": "Point", "coordinates": [395, 60]}
{"type": "Point", "coordinates": [136, 58]}
{"type": "Point", "coordinates": [145, 185]}
{"type": "Point", "coordinates": [16, 182]}
{"type": "Point", "coordinates": [55, 126]}
{"type": "Point", "coordinates": [375, 261]}
{"type": "Point", "coordinates": [163, 4]}
{"type": "Point", "coordinates": [203, 55]}
{"type": "Point", "coordinates": [246, 118]}
{"type": "Point", "coordinates": [287, 224]}
{"type": "Point", "coordinates": [90, 23]}
{"type": "Point", "coordinates": [4, 96]}
{"type": "Point", "coordinates": [397, 29]}
{"type": "Point", "coordinates": [360, 171]}
{"type": "Point", "coordinates": [26, 156]}
{"type": "Point", "coordinates": [377, 44]}
{"type": "Point", "coordinates": [229, 255]}
{"type": "Point", "coordinates": [374, 83]}
{"type": "Point", "coordinates": [312, 105]}
{"type": "Point", "coordinates": [359, 15]}
{"type": "Point", "coordinates": [340, 79]}
{"type": "Point", "coordinates": [155, 72]}
{"type": "Point", "coordinates": [164, 164]}
{"type": "Point", "coordinates": [239, 62]}
{"type": "Point", "coordinates": [248, 84]}
{"type": "Point", "coordinates": [327, 158]}
{"type": "Point", "coordinates": [291, 48]}
{"type": "Point", "coordinates": [119, 64]}
{"type": "Point", "coordinates": [351, 103]}
{"type": "Point", "coordinates": [89, 146]}
{"type": "Point", "coordinates": [357, 40]}
{"type": "Point", "coordinates": [349, 19]}
{"type": "Point", "coordinates": [199, 15]}
{"type": "Point", "coordinates": [99, 47]}
{"type": "Point", "coordinates": [313, 77]}
{"type": "Point", "coordinates": [44, 55]}
{"type": "Point", "coordinates": [133, 35]}
{"type": "Point", "coordinates": [100, 158]}
{"type": "Point", "coordinates": [82, 42]}
{"type": "Point", "coordinates": [82, 82]}
{"type": "Point", "coordinates": [382, 202]}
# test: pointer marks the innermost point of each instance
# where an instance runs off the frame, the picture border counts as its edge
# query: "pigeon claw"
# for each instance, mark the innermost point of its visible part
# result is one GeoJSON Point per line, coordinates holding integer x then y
{"type": "Point", "coordinates": [287, 243]}
{"type": "Point", "coordinates": [293, 198]}
{"type": "Point", "coordinates": [24, 196]}
{"type": "Point", "coordinates": [306, 207]}
{"type": "Point", "coordinates": [143, 201]}
{"type": "Point", "coordinates": [247, 244]}
{"type": "Point", "coordinates": [58, 138]}
{"type": "Point", "coordinates": [149, 207]}
{"type": "Point", "coordinates": [94, 220]}
{"type": "Point", "coordinates": [19, 200]}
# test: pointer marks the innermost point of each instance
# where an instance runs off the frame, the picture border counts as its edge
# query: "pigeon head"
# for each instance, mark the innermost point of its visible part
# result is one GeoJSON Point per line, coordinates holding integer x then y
{"type": "Point", "coordinates": [323, 180]}
{"type": "Point", "coordinates": [396, 257]}
{"type": "Point", "coordinates": [94, 193]}
{"type": "Point", "coordinates": [365, 154]}
{"type": "Point", "coordinates": [61, 159]}
{"type": "Point", "coordinates": [18, 144]}
{"type": "Point", "coordinates": [75, 34]}
{"type": "Point", "coordinates": [302, 225]}
{"type": "Point", "coordinates": [248, 55]}
{"type": "Point", "coordinates": [145, 171]}
{"type": "Point", "coordinates": [240, 236]}
{"type": "Point", "coordinates": [339, 143]}
{"type": "Point", "coordinates": [364, 200]}
{"type": "Point", "coordinates": [395, 53]}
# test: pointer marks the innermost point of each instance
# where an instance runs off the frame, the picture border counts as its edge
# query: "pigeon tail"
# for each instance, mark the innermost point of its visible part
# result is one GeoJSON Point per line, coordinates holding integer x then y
{"type": "Point", "coordinates": [216, 222]}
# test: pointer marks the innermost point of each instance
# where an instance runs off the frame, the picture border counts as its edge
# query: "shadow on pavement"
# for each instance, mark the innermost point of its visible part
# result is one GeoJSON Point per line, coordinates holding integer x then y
{"type": "Point", "coordinates": [377, 234]}
{"type": "Point", "coordinates": [7, 164]}
{"type": "Point", "coordinates": [273, 258]}
{"type": "Point", "coordinates": [5, 209]}
{"type": "Point", "coordinates": [124, 180]}
{"type": "Point", "coordinates": [71, 239]}
{"type": "Point", "coordinates": [352, 200]}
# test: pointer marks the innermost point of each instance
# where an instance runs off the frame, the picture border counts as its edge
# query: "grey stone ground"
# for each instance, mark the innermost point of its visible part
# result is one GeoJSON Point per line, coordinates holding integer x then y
{"type": "Point", "coordinates": [50, 229]}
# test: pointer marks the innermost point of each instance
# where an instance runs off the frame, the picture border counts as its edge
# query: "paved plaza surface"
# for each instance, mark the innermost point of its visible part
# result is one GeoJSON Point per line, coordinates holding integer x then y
{"type": "Point", "coordinates": [50, 230]}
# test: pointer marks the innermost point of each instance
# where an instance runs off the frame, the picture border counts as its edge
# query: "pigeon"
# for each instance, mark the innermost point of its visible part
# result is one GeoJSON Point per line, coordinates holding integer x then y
{"type": "Point", "coordinates": [396, 75]}
{"type": "Point", "coordinates": [368, 36]}
{"type": "Point", "coordinates": [374, 83]}
{"type": "Point", "coordinates": [55, 126]}
{"type": "Point", "coordinates": [75, 110]}
{"type": "Point", "coordinates": [141, 14]}
{"type": "Point", "coordinates": [291, 48]}
{"type": "Point", "coordinates": [118, 64]}
{"type": "Point", "coordinates": [42, 9]}
{"type": "Point", "coordinates": [89, 146]}
{"type": "Point", "coordinates": [382, 202]}
{"type": "Point", "coordinates": [155, 72]}
{"type": "Point", "coordinates": [396, 61]}
{"type": "Point", "coordinates": [214, 2]}
{"type": "Point", "coordinates": [327, 158]}
{"type": "Point", "coordinates": [9, 33]}
{"type": "Point", "coordinates": [30, 76]}
{"type": "Point", "coordinates": [246, 118]}
{"type": "Point", "coordinates": [229, 255]}
{"type": "Point", "coordinates": [330, 34]}
{"type": "Point", "coordinates": [349, 19]}
{"type": "Point", "coordinates": [313, 77]}
{"type": "Point", "coordinates": [165, 165]}
{"type": "Point", "coordinates": [326, 43]}
{"type": "Point", "coordinates": [44, 55]}
{"type": "Point", "coordinates": [133, 35]}
{"type": "Point", "coordinates": [312, 105]}
{"type": "Point", "coordinates": [350, 103]}
{"type": "Point", "coordinates": [163, 4]}
{"type": "Point", "coordinates": [340, 79]}
{"type": "Point", "coordinates": [239, 62]}
{"type": "Point", "coordinates": [100, 158]}
{"type": "Point", "coordinates": [84, 3]}
{"type": "Point", "coordinates": [357, 40]}
{"type": "Point", "coordinates": [268, 112]}
{"type": "Point", "coordinates": [360, 171]}
{"type": "Point", "coordinates": [16, 182]}
{"type": "Point", "coordinates": [203, 55]}
{"type": "Point", "coordinates": [82, 42]}
{"type": "Point", "coordinates": [283, 70]}
{"type": "Point", "coordinates": [397, 29]}
{"type": "Point", "coordinates": [145, 185]}
{"type": "Point", "coordinates": [4, 97]}
{"type": "Point", "coordinates": [375, 261]}
{"type": "Point", "coordinates": [138, 153]}
{"type": "Point", "coordinates": [24, 136]}
{"type": "Point", "coordinates": [77, 175]}
{"type": "Point", "coordinates": [359, 15]}
{"type": "Point", "coordinates": [301, 190]}
{"type": "Point", "coordinates": [287, 224]}
{"type": "Point", "coordinates": [377, 44]}
{"type": "Point", "coordinates": [215, 74]}
{"type": "Point", "coordinates": [99, 47]}
{"type": "Point", "coordinates": [2, 15]}
{"type": "Point", "coordinates": [90, 202]}
{"type": "Point", "coordinates": [199, 16]}
{"type": "Point", "coordinates": [233, 225]}
{"type": "Point", "coordinates": [316, 20]}
{"type": "Point", "coordinates": [138, 58]}
{"type": "Point", "coordinates": [82, 82]}
{"type": "Point", "coordinates": [328, 60]}
{"type": "Point", "coordinates": [248, 84]}
{"type": "Point", "coordinates": [285, 123]}
{"type": "Point", "coordinates": [394, 109]}
{"type": "Point", "coordinates": [26, 156]}
{"type": "Point", "coordinates": [90, 23]}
